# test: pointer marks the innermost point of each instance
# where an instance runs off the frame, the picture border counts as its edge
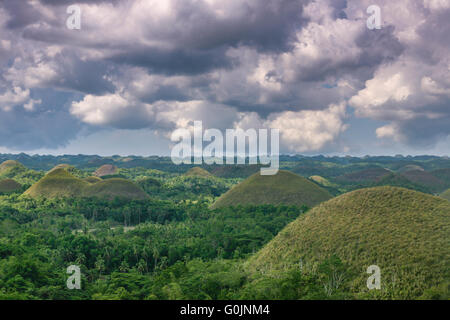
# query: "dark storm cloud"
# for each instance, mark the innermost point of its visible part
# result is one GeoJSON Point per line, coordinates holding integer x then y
{"type": "Point", "coordinates": [69, 2]}
{"type": "Point", "coordinates": [178, 61]}
{"type": "Point", "coordinates": [267, 27]}
{"type": "Point", "coordinates": [84, 76]}
{"type": "Point", "coordinates": [21, 13]}
{"type": "Point", "coordinates": [379, 47]}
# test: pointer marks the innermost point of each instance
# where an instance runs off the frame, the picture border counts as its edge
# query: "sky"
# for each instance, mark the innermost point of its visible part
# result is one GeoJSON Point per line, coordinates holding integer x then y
{"type": "Point", "coordinates": [136, 70]}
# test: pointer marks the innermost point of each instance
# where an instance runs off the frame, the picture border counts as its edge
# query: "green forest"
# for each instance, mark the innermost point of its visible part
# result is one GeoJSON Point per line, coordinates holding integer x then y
{"type": "Point", "coordinates": [152, 230]}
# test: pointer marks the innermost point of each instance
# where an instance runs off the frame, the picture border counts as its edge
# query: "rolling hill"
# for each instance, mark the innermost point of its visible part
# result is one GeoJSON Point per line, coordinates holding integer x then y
{"type": "Point", "coordinates": [59, 183]}
{"type": "Point", "coordinates": [9, 185]}
{"type": "Point", "coordinates": [115, 187]}
{"type": "Point", "coordinates": [197, 172]}
{"type": "Point", "coordinates": [446, 194]}
{"type": "Point", "coordinates": [398, 180]}
{"type": "Point", "coordinates": [106, 170]}
{"type": "Point", "coordinates": [9, 166]}
{"type": "Point", "coordinates": [426, 179]}
{"type": "Point", "coordinates": [410, 167]}
{"type": "Point", "coordinates": [372, 174]}
{"type": "Point", "coordinates": [235, 171]}
{"type": "Point", "coordinates": [406, 233]}
{"type": "Point", "coordinates": [283, 188]}
{"type": "Point", "coordinates": [443, 175]}
{"type": "Point", "coordinates": [92, 179]}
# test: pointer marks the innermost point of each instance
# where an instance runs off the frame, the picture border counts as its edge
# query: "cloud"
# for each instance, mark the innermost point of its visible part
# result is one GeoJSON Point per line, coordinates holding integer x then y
{"type": "Point", "coordinates": [302, 131]}
{"type": "Point", "coordinates": [161, 65]}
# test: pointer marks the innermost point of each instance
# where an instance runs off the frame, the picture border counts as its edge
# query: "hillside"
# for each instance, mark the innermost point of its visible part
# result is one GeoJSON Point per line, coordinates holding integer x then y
{"type": "Point", "coordinates": [446, 194]}
{"type": "Point", "coordinates": [283, 188]}
{"type": "Point", "coordinates": [10, 165]}
{"type": "Point", "coordinates": [404, 232]}
{"type": "Point", "coordinates": [410, 167]}
{"type": "Point", "coordinates": [9, 185]}
{"type": "Point", "coordinates": [106, 170]}
{"type": "Point", "coordinates": [59, 183]}
{"type": "Point", "coordinates": [372, 174]}
{"type": "Point", "coordinates": [197, 172]}
{"type": "Point", "coordinates": [115, 187]}
{"type": "Point", "coordinates": [443, 175]}
{"type": "Point", "coordinates": [398, 180]}
{"type": "Point", "coordinates": [235, 171]}
{"type": "Point", "coordinates": [92, 179]}
{"type": "Point", "coordinates": [426, 179]}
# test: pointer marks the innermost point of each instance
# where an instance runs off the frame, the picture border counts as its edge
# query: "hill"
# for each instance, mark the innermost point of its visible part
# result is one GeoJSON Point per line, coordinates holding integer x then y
{"type": "Point", "coordinates": [404, 232]}
{"type": "Point", "coordinates": [106, 170]}
{"type": "Point", "coordinates": [410, 167]}
{"type": "Point", "coordinates": [115, 187]}
{"type": "Point", "coordinates": [10, 165]}
{"type": "Point", "coordinates": [235, 171]}
{"type": "Point", "coordinates": [9, 185]}
{"type": "Point", "coordinates": [372, 174]}
{"type": "Point", "coordinates": [283, 188]}
{"type": "Point", "coordinates": [197, 172]}
{"type": "Point", "coordinates": [446, 194]}
{"type": "Point", "coordinates": [426, 179]}
{"type": "Point", "coordinates": [443, 175]}
{"type": "Point", "coordinates": [59, 183]}
{"type": "Point", "coordinates": [92, 179]}
{"type": "Point", "coordinates": [322, 181]}
{"type": "Point", "coordinates": [398, 180]}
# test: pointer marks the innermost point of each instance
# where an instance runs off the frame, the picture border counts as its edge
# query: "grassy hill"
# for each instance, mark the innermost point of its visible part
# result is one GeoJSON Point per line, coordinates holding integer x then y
{"type": "Point", "coordinates": [9, 185]}
{"type": "Point", "coordinates": [283, 188]}
{"type": "Point", "coordinates": [198, 172]}
{"type": "Point", "coordinates": [92, 179]}
{"type": "Point", "coordinates": [446, 194]}
{"type": "Point", "coordinates": [406, 233]}
{"type": "Point", "coordinates": [115, 187]}
{"type": "Point", "coordinates": [426, 179]}
{"type": "Point", "coordinates": [235, 171]}
{"type": "Point", "coordinates": [410, 167]}
{"type": "Point", "coordinates": [322, 181]}
{"type": "Point", "coordinates": [372, 174]}
{"type": "Point", "coordinates": [9, 166]}
{"type": "Point", "coordinates": [443, 175]}
{"type": "Point", "coordinates": [59, 183]}
{"type": "Point", "coordinates": [106, 170]}
{"type": "Point", "coordinates": [398, 180]}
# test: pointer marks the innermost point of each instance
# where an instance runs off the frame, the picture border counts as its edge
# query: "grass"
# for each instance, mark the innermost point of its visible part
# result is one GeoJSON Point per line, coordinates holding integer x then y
{"type": "Point", "coordinates": [406, 233]}
{"type": "Point", "coordinates": [59, 183]}
{"type": "Point", "coordinates": [283, 188]}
